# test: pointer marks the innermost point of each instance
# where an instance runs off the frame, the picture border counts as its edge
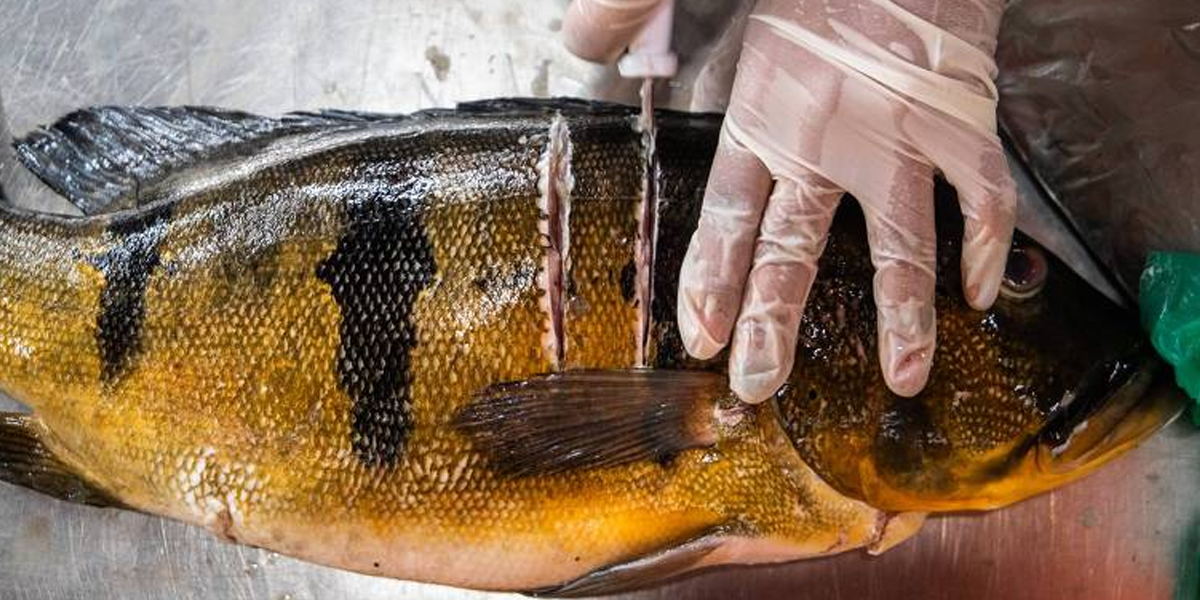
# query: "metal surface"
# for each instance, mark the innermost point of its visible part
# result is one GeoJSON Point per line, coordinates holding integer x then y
{"type": "Point", "coordinates": [1130, 531]}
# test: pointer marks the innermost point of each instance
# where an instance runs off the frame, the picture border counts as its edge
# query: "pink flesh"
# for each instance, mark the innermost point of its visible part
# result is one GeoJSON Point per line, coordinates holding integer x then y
{"type": "Point", "coordinates": [555, 202]}
{"type": "Point", "coordinates": [647, 226]}
{"type": "Point", "coordinates": [555, 186]}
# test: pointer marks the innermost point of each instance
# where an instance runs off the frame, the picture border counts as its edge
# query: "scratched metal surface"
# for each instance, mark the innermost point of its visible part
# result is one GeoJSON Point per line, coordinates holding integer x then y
{"type": "Point", "coordinates": [1130, 531]}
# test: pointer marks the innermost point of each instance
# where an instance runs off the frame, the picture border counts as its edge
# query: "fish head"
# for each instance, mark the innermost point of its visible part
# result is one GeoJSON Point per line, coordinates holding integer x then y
{"type": "Point", "coordinates": [1048, 384]}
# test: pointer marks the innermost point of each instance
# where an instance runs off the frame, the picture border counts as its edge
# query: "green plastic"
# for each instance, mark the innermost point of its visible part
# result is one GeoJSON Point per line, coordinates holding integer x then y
{"type": "Point", "coordinates": [1170, 301]}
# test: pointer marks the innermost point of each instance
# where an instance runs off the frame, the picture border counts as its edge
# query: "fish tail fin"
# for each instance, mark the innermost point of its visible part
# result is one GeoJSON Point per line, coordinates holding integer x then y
{"type": "Point", "coordinates": [26, 461]}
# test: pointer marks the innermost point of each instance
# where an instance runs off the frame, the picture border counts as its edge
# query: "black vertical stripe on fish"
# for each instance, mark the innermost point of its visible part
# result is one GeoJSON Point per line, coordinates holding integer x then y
{"type": "Point", "coordinates": [629, 281]}
{"type": "Point", "coordinates": [684, 152]}
{"type": "Point", "coordinates": [127, 267]}
{"type": "Point", "coordinates": [909, 444]}
{"type": "Point", "coordinates": [382, 262]}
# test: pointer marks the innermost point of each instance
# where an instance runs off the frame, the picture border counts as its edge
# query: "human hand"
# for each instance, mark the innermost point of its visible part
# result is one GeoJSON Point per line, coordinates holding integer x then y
{"type": "Point", "coordinates": [599, 30]}
{"type": "Point", "coordinates": [861, 96]}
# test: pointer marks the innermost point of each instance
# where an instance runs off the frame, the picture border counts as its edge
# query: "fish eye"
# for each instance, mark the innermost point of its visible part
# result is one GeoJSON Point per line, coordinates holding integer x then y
{"type": "Point", "coordinates": [1025, 273]}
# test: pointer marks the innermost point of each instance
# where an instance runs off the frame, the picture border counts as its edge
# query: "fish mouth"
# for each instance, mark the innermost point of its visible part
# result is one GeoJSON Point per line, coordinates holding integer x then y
{"type": "Point", "coordinates": [1117, 403]}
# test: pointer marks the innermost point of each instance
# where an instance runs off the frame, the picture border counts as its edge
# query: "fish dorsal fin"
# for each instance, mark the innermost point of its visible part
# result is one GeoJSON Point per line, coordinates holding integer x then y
{"type": "Point", "coordinates": [332, 116]}
{"type": "Point", "coordinates": [596, 418]}
{"type": "Point", "coordinates": [544, 106]}
{"type": "Point", "coordinates": [99, 158]}
{"type": "Point", "coordinates": [25, 460]}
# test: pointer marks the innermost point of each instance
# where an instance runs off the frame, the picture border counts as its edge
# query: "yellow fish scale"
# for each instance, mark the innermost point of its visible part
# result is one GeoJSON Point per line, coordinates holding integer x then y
{"type": "Point", "coordinates": [609, 180]}
{"type": "Point", "coordinates": [232, 413]}
{"type": "Point", "coordinates": [46, 314]}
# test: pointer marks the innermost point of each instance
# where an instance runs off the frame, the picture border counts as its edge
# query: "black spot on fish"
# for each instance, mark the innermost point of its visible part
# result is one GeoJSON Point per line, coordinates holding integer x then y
{"type": "Point", "coordinates": [127, 266]}
{"type": "Point", "coordinates": [381, 264]}
{"type": "Point", "coordinates": [572, 288]}
{"type": "Point", "coordinates": [500, 280]}
{"type": "Point", "coordinates": [628, 281]}
{"type": "Point", "coordinates": [684, 158]}
{"type": "Point", "coordinates": [258, 268]}
{"type": "Point", "coordinates": [909, 445]}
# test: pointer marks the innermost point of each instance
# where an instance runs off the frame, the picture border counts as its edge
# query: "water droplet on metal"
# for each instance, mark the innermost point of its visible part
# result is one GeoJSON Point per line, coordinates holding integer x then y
{"type": "Point", "coordinates": [252, 568]}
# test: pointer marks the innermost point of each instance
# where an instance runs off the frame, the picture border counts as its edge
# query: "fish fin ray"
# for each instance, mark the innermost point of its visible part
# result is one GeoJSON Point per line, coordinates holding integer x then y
{"type": "Point", "coordinates": [593, 418]}
{"type": "Point", "coordinates": [26, 461]}
{"type": "Point", "coordinates": [506, 107]}
{"type": "Point", "coordinates": [669, 562]}
{"type": "Point", "coordinates": [99, 158]}
{"type": "Point", "coordinates": [335, 116]}
{"type": "Point", "coordinates": [577, 107]}
{"type": "Point", "coordinates": [544, 106]}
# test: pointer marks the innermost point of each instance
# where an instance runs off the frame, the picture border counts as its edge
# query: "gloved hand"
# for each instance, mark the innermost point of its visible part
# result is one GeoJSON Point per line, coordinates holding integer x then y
{"type": "Point", "coordinates": [863, 96]}
{"type": "Point", "coordinates": [599, 30]}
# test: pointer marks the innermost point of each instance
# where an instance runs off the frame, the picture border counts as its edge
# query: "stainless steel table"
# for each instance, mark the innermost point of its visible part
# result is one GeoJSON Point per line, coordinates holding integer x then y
{"type": "Point", "coordinates": [1130, 531]}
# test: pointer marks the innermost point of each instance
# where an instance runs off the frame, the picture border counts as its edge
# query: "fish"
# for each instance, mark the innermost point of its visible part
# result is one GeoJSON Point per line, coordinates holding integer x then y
{"type": "Point", "coordinates": [442, 347]}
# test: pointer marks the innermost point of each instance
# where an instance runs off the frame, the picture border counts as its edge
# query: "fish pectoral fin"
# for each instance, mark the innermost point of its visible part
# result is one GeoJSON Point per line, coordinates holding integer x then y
{"type": "Point", "coordinates": [640, 572]}
{"type": "Point", "coordinates": [595, 418]}
{"type": "Point", "coordinates": [25, 460]}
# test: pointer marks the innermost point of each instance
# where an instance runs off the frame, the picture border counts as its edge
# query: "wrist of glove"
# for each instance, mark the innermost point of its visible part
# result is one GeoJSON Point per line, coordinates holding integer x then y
{"type": "Point", "coordinates": [599, 30]}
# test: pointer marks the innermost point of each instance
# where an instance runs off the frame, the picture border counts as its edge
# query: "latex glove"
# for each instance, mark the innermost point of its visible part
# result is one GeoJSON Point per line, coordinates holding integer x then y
{"type": "Point", "coordinates": [599, 30]}
{"type": "Point", "coordinates": [867, 97]}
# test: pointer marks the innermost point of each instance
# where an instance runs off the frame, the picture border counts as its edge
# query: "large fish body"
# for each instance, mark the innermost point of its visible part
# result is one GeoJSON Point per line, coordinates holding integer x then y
{"type": "Point", "coordinates": [297, 332]}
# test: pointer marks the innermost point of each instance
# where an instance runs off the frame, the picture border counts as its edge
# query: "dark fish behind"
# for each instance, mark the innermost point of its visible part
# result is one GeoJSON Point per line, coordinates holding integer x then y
{"type": "Point", "coordinates": [442, 347]}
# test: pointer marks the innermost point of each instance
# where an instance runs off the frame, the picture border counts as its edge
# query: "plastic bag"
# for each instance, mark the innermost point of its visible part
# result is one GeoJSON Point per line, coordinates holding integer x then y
{"type": "Point", "coordinates": [1170, 301]}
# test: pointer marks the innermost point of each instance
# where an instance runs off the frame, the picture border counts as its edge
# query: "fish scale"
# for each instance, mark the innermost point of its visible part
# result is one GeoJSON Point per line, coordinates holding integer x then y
{"type": "Point", "coordinates": [607, 167]}
{"type": "Point", "coordinates": [315, 330]}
